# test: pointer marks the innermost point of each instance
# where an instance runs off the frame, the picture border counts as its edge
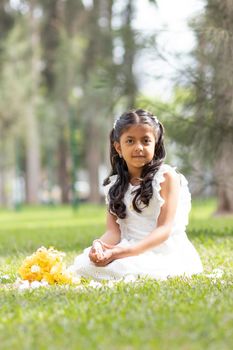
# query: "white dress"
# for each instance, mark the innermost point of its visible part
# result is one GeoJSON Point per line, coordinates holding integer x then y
{"type": "Point", "coordinates": [174, 257]}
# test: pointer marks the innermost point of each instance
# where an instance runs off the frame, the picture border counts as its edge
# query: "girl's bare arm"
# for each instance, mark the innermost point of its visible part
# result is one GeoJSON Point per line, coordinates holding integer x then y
{"type": "Point", "coordinates": [113, 234]}
{"type": "Point", "coordinates": [111, 237]}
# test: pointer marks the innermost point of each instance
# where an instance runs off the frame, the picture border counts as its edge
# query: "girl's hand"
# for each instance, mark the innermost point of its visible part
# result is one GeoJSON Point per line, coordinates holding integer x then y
{"type": "Point", "coordinates": [110, 254]}
{"type": "Point", "coordinates": [96, 251]}
{"type": "Point", "coordinates": [106, 259]}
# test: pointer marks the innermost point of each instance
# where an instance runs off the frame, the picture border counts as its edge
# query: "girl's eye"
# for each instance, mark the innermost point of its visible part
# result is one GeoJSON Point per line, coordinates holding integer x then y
{"type": "Point", "coordinates": [129, 141]}
{"type": "Point", "coordinates": [147, 141]}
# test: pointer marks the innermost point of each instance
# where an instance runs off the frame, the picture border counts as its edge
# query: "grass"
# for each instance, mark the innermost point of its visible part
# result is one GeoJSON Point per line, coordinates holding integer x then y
{"type": "Point", "coordinates": [180, 313]}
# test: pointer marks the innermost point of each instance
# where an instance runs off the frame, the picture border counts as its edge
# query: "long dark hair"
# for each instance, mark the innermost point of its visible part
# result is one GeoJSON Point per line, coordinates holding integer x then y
{"type": "Point", "coordinates": [144, 192]}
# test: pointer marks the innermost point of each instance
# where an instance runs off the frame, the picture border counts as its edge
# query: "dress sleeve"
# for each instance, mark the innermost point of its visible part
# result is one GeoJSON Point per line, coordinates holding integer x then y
{"type": "Point", "coordinates": [184, 203]}
{"type": "Point", "coordinates": [159, 178]}
{"type": "Point", "coordinates": [107, 187]}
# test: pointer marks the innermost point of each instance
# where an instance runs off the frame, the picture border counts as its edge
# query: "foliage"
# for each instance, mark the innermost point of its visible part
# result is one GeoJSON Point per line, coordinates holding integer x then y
{"type": "Point", "coordinates": [199, 117]}
{"type": "Point", "coordinates": [213, 88]}
{"type": "Point", "coordinates": [65, 69]}
{"type": "Point", "coordinates": [181, 128]}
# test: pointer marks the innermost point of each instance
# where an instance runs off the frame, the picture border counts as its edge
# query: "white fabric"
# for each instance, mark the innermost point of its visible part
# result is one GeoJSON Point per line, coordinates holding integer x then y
{"type": "Point", "coordinates": [174, 257]}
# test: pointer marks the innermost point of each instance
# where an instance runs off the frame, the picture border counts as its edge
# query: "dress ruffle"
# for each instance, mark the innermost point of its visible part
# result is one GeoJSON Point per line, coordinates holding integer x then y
{"type": "Point", "coordinates": [158, 179]}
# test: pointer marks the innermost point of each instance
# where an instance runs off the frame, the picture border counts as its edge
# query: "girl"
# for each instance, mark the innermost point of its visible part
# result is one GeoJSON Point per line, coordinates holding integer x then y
{"type": "Point", "coordinates": [148, 206]}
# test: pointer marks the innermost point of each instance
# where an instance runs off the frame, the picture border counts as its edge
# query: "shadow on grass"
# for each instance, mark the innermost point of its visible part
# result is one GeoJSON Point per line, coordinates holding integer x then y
{"type": "Point", "coordinates": [77, 238]}
{"type": "Point", "coordinates": [23, 233]}
{"type": "Point", "coordinates": [210, 232]}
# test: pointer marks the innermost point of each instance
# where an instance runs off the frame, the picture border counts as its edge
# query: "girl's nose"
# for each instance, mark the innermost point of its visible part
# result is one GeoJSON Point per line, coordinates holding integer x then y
{"type": "Point", "coordinates": [138, 147]}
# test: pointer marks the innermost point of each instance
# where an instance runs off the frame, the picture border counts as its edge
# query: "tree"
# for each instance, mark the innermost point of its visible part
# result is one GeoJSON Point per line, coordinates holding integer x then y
{"type": "Point", "coordinates": [33, 174]}
{"type": "Point", "coordinates": [60, 75]}
{"type": "Point", "coordinates": [6, 118]}
{"type": "Point", "coordinates": [62, 42]}
{"type": "Point", "coordinates": [214, 94]}
{"type": "Point", "coordinates": [98, 81]}
{"type": "Point", "coordinates": [130, 51]}
{"type": "Point", "coordinates": [20, 86]}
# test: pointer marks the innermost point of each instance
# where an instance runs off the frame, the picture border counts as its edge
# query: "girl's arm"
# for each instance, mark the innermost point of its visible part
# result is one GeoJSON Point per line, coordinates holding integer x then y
{"type": "Point", "coordinates": [113, 234]}
{"type": "Point", "coordinates": [109, 239]}
{"type": "Point", "coordinates": [169, 192]}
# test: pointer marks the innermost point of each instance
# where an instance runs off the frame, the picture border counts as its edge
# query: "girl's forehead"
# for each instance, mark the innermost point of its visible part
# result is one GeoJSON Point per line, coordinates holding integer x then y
{"type": "Point", "coordinates": [138, 129]}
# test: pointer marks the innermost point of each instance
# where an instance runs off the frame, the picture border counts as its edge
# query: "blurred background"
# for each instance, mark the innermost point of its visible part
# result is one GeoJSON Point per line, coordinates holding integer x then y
{"type": "Point", "coordinates": [69, 68]}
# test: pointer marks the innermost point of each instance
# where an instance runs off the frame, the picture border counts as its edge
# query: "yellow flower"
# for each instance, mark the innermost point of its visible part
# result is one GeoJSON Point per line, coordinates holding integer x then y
{"type": "Point", "coordinates": [47, 265]}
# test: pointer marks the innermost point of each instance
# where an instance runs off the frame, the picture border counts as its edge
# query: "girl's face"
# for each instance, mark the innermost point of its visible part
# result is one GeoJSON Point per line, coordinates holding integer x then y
{"type": "Point", "coordinates": [136, 146]}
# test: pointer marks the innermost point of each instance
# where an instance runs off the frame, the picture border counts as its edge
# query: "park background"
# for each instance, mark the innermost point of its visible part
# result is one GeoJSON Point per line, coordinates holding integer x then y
{"type": "Point", "coordinates": [68, 69]}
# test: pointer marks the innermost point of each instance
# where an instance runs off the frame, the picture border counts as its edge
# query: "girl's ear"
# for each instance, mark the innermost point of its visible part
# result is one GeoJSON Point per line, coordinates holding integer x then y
{"type": "Point", "coordinates": [117, 147]}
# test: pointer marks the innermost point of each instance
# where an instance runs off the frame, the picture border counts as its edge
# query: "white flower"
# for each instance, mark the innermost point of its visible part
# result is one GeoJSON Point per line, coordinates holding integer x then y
{"type": "Point", "coordinates": [24, 285]}
{"type": "Point", "coordinates": [115, 123]}
{"type": "Point", "coordinates": [79, 288]}
{"type": "Point", "coordinates": [155, 119]}
{"type": "Point", "coordinates": [35, 284]}
{"type": "Point", "coordinates": [44, 283]}
{"type": "Point", "coordinates": [72, 270]}
{"type": "Point", "coordinates": [4, 278]}
{"type": "Point", "coordinates": [76, 280]}
{"type": "Point", "coordinates": [35, 268]}
{"type": "Point", "coordinates": [95, 284]}
{"type": "Point", "coordinates": [18, 280]}
{"type": "Point", "coordinates": [110, 284]}
{"type": "Point", "coordinates": [216, 273]}
{"type": "Point", "coordinates": [98, 248]}
{"type": "Point", "coordinates": [130, 278]}
{"type": "Point", "coordinates": [54, 269]}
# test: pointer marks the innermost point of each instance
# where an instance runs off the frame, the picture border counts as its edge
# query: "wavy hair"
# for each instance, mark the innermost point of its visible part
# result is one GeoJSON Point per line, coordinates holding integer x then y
{"type": "Point", "coordinates": [144, 192]}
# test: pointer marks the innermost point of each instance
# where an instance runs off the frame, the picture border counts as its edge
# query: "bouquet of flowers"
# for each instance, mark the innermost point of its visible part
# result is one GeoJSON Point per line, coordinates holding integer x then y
{"type": "Point", "coordinates": [45, 265]}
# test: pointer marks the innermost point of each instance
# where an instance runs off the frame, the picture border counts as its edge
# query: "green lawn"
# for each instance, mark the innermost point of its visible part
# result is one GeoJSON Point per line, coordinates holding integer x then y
{"type": "Point", "coordinates": [182, 314]}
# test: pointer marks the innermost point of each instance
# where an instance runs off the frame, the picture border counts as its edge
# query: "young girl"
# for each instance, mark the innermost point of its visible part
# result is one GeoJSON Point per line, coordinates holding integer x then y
{"type": "Point", "coordinates": [148, 206]}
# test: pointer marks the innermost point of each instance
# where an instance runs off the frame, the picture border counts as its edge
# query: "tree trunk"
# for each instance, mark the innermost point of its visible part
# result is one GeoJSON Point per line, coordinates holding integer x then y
{"type": "Point", "coordinates": [224, 179]}
{"type": "Point", "coordinates": [129, 56]}
{"type": "Point", "coordinates": [63, 174]}
{"type": "Point", "coordinates": [93, 162]}
{"type": "Point", "coordinates": [32, 138]}
{"type": "Point", "coordinates": [215, 56]}
{"type": "Point", "coordinates": [223, 111]}
{"type": "Point", "coordinates": [3, 195]}
{"type": "Point", "coordinates": [32, 156]}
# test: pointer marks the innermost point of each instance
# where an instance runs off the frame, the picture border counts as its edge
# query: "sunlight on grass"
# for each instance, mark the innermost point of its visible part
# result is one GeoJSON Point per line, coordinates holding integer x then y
{"type": "Point", "coordinates": [178, 314]}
